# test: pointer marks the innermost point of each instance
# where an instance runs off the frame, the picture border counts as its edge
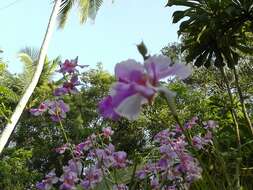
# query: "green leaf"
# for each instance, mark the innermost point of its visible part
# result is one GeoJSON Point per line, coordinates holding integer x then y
{"type": "Point", "coordinates": [177, 16]}
{"type": "Point", "coordinates": [207, 64]}
{"type": "Point", "coordinates": [185, 3]}
{"type": "Point", "coordinates": [201, 33]}
{"type": "Point", "coordinates": [245, 49]}
{"type": "Point", "coordinates": [8, 94]}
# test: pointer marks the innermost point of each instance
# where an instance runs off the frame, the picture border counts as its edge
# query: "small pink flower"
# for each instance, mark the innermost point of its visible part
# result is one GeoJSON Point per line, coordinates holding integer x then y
{"type": "Point", "coordinates": [69, 66]}
{"type": "Point", "coordinates": [107, 132]}
{"type": "Point", "coordinates": [62, 149]}
{"type": "Point", "coordinates": [57, 110]}
{"type": "Point", "coordinates": [68, 87]}
{"type": "Point", "coordinates": [120, 159]}
{"type": "Point", "coordinates": [48, 182]}
{"type": "Point", "coordinates": [198, 142]}
{"type": "Point", "coordinates": [211, 124]}
{"type": "Point", "coordinates": [154, 184]}
{"type": "Point", "coordinates": [120, 187]}
{"type": "Point", "coordinates": [40, 110]}
{"type": "Point", "coordinates": [92, 177]}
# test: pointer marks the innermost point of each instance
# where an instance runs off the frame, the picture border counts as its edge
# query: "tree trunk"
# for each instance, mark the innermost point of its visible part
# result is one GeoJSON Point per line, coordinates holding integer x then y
{"type": "Point", "coordinates": [232, 110]}
{"type": "Point", "coordinates": [24, 99]}
{"type": "Point", "coordinates": [244, 110]}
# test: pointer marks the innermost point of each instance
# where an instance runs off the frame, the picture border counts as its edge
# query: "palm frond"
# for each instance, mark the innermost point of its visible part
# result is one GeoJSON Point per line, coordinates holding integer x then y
{"type": "Point", "coordinates": [64, 12]}
{"type": "Point", "coordinates": [29, 57]}
{"type": "Point", "coordinates": [84, 6]}
{"type": "Point", "coordinates": [49, 70]}
{"type": "Point", "coordinates": [31, 51]}
{"type": "Point", "coordinates": [94, 7]}
{"type": "Point", "coordinates": [87, 9]}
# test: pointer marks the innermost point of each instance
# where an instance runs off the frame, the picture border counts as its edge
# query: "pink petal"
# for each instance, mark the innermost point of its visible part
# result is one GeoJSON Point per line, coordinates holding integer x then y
{"type": "Point", "coordinates": [129, 71]}
{"type": "Point", "coordinates": [130, 107]}
{"type": "Point", "coordinates": [179, 70]}
{"type": "Point", "coordinates": [159, 67]}
{"type": "Point", "coordinates": [155, 66]}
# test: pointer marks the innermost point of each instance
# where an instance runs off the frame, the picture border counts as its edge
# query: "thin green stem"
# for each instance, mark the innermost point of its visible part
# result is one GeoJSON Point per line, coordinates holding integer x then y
{"type": "Point", "coordinates": [62, 130]}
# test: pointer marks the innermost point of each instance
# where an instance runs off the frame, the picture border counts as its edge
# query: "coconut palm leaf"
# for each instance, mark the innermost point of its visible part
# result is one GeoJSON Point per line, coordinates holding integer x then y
{"type": "Point", "coordinates": [29, 57]}
{"type": "Point", "coordinates": [87, 9]}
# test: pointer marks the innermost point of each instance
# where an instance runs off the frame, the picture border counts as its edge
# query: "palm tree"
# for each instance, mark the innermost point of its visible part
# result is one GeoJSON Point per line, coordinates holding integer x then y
{"type": "Point", "coordinates": [216, 32]}
{"type": "Point", "coordinates": [29, 57]}
{"type": "Point", "coordinates": [12, 86]}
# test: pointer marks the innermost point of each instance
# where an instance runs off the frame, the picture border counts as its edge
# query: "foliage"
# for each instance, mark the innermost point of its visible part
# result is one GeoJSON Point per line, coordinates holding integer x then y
{"type": "Point", "coordinates": [15, 172]}
{"type": "Point", "coordinates": [214, 30]}
{"type": "Point", "coordinates": [215, 34]}
{"type": "Point", "coordinates": [87, 9]}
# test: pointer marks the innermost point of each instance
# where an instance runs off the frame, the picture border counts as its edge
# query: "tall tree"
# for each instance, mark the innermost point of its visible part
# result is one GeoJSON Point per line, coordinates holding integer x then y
{"type": "Point", "coordinates": [216, 31]}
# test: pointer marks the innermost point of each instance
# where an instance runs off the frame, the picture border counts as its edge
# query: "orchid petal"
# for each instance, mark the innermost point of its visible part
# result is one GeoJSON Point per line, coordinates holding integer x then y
{"type": "Point", "coordinates": [106, 108]}
{"type": "Point", "coordinates": [130, 107]}
{"type": "Point", "coordinates": [129, 71]}
{"type": "Point", "coordinates": [156, 65]}
{"type": "Point", "coordinates": [179, 70]}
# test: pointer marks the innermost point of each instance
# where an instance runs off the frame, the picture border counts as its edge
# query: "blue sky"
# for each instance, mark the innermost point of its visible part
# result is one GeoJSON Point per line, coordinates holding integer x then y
{"type": "Point", "coordinates": [119, 26]}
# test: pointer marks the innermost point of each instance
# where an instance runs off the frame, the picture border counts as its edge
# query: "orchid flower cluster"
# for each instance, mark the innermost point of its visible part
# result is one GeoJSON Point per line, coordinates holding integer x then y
{"type": "Point", "coordinates": [57, 109]}
{"type": "Point", "coordinates": [175, 166]}
{"type": "Point", "coordinates": [92, 160]}
{"type": "Point", "coordinates": [138, 84]}
{"type": "Point", "coordinates": [95, 161]}
{"type": "Point", "coordinates": [70, 74]}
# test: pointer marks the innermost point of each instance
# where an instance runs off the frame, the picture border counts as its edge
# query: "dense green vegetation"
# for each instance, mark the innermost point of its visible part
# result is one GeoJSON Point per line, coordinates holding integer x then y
{"type": "Point", "coordinates": [216, 39]}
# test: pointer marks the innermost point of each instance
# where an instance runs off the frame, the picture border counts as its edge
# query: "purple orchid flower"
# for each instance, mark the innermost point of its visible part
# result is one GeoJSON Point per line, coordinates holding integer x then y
{"type": "Point", "coordinates": [69, 180]}
{"type": "Point", "coordinates": [48, 182]}
{"type": "Point", "coordinates": [107, 132]}
{"type": "Point", "coordinates": [92, 177]}
{"type": "Point", "coordinates": [70, 175]}
{"type": "Point", "coordinates": [68, 87]}
{"type": "Point", "coordinates": [211, 124]}
{"type": "Point", "coordinates": [69, 66]}
{"type": "Point", "coordinates": [120, 159]}
{"type": "Point", "coordinates": [137, 85]}
{"type": "Point", "coordinates": [155, 185]}
{"type": "Point", "coordinates": [57, 110]}
{"type": "Point", "coordinates": [62, 148]}
{"type": "Point", "coordinates": [192, 122]}
{"type": "Point", "coordinates": [120, 187]}
{"type": "Point", "coordinates": [40, 110]}
{"type": "Point", "coordinates": [198, 142]}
